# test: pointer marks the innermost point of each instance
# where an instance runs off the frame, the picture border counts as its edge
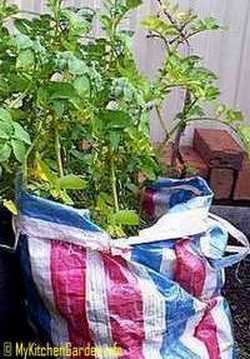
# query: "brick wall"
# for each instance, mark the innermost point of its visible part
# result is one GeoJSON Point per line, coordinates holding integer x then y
{"type": "Point", "coordinates": [217, 157]}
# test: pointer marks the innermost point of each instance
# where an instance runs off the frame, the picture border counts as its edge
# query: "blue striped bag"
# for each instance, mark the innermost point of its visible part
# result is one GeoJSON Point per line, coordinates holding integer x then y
{"type": "Point", "coordinates": [157, 295]}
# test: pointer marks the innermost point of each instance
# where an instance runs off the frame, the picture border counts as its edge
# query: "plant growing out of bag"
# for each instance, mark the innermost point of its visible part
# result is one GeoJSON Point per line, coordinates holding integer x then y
{"type": "Point", "coordinates": [74, 112]}
{"type": "Point", "coordinates": [175, 28]}
{"type": "Point", "coordinates": [74, 109]}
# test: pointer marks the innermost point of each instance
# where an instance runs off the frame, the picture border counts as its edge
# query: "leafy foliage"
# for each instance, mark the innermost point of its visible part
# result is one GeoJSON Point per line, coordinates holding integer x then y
{"type": "Point", "coordinates": [175, 28]}
{"type": "Point", "coordinates": [74, 112]}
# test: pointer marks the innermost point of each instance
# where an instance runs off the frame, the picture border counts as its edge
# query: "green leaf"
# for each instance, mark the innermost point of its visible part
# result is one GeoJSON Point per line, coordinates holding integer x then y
{"type": "Point", "coordinates": [113, 119]}
{"type": "Point", "coordinates": [43, 171]}
{"type": "Point", "coordinates": [56, 91]}
{"type": "Point", "coordinates": [149, 167]}
{"type": "Point", "coordinates": [23, 42]}
{"type": "Point", "coordinates": [10, 205]}
{"type": "Point", "coordinates": [229, 115]}
{"type": "Point", "coordinates": [25, 60]}
{"type": "Point", "coordinates": [5, 129]}
{"type": "Point", "coordinates": [20, 133]}
{"type": "Point", "coordinates": [42, 97]}
{"type": "Point", "coordinates": [80, 22]}
{"type": "Point", "coordinates": [8, 10]}
{"type": "Point", "coordinates": [115, 138]}
{"type": "Point", "coordinates": [3, 134]}
{"type": "Point", "coordinates": [61, 91]}
{"type": "Point", "coordinates": [71, 182]}
{"type": "Point", "coordinates": [125, 217]}
{"type": "Point", "coordinates": [24, 26]}
{"type": "Point", "coordinates": [5, 152]}
{"type": "Point", "coordinates": [59, 107]}
{"type": "Point", "coordinates": [5, 115]}
{"type": "Point", "coordinates": [244, 133]}
{"type": "Point", "coordinates": [82, 86]}
{"type": "Point", "coordinates": [19, 150]}
{"type": "Point", "coordinates": [77, 66]}
{"type": "Point", "coordinates": [206, 24]}
{"type": "Point", "coordinates": [132, 4]}
{"type": "Point", "coordinates": [154, 23]}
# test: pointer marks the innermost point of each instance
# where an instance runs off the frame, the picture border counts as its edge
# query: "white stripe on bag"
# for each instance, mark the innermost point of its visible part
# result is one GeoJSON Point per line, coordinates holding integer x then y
{"type": "Point", "coordinates": [97, 304]}
{"type": "Point", "coordinates": [168, 262]}
{"type": "Point", "coordinates": [188, 338]}
{"type": "Point", "coordinates": [223, 329]}
{"type": "Point", "coordinates": [40, 250]}
{"type": "Point", "coordinates": [154, 313]}
{"type": "Point", "coordinates": [48, 230]}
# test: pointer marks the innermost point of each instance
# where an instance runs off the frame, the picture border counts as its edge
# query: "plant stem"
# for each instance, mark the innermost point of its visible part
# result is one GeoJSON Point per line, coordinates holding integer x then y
{"type": "Point", "coordinates": [159, 36]}
{"type": "Point", "coordinates": [173, 21]}
{"type": "Point", "coordinates": [189, 120]}
{"type": "Point", "coordinates": [114, 189]}
{"type": "Point", "coordinates": [116, 19]}
{"type": "Point", "coordinates": [28, 153]}
{"type": "Point", "coordinates": [56, 8]}
{"type": "Point", "coordinates": [58, 153]}
{"type": "Point", "coordinates": [158, 111]}
{"type": "Point", "coordinates": [180, 130]}
{"type": "Point", "coordinates": [176, 148]}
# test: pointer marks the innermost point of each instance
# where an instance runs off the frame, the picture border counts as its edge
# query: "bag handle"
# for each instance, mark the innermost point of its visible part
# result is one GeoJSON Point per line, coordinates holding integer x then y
{"type": "Point", "coordinates": [240, 252]}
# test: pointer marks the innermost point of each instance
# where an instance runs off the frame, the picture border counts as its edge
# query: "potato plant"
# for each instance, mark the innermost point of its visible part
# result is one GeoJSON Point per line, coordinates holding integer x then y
{"type": "Point", "coordinates": [175, 28]}
{"type": "Point", "coordinates": [74, 112]}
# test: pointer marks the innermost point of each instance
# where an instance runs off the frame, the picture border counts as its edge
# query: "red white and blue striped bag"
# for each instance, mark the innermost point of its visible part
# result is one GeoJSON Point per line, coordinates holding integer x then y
{"type": "Point", "coordinates": [154, 296]}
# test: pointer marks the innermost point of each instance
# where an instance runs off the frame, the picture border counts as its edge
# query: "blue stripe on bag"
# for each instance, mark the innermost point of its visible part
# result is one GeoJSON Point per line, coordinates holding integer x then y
{"type": "Point", "coordinates": [179, 309]}
{"type": "Point", "coordinates": [53, 212]}
{"type": "Point", "coordinates": [178, 350]}
{"type": "Point", "coordinates": [179, 195]}
{"type": "Point", "coordinates": [226, 261]}
{"type": "Point", "coordinates": [149, 258]}
{"type": "Point", "coordinates": [151, 254]}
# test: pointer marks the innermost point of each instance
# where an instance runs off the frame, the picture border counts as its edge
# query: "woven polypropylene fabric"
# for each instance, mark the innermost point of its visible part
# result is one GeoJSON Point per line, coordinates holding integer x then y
{"type": "Point", "coordinates": [151, 300]}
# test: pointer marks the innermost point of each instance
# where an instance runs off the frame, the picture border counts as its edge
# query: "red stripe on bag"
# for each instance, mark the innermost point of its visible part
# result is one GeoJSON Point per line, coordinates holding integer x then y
{"type": "Point", "coordinates": [125, 308]}
{"type": "Point", "coordinates": [190, 270]}
{"type": "Point", "coordinates": [206, 331]}
{"type": "Point", "coordinates": [68, 271]}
